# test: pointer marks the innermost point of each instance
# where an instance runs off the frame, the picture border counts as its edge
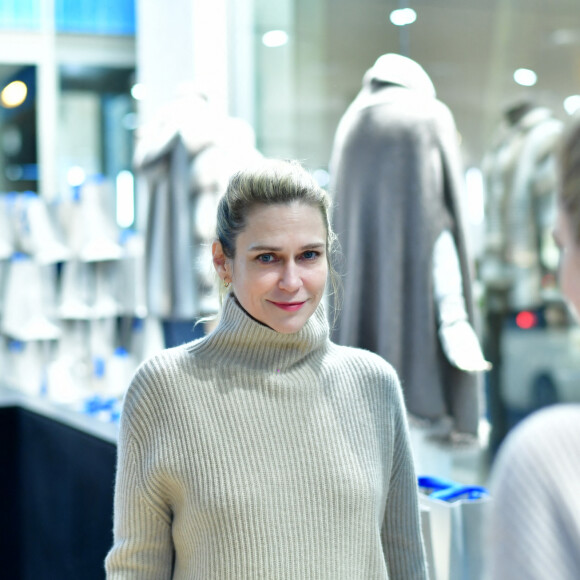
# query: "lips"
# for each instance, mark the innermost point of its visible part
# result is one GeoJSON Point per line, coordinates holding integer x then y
{"type": "Point", "coordinates": [289, 306]}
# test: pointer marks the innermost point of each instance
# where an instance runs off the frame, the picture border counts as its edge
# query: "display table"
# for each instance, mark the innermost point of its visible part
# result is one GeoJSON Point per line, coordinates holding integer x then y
{"type": "Point", "coordinates": [56, 500]}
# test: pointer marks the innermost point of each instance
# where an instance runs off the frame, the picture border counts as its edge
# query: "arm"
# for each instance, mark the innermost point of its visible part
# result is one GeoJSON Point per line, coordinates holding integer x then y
{"type": "Point", "coordinates": [458, 339]}
{"type": "Point", "coordinates": [401, 532]}
{"type": "Point", "coordinates": [143, 547]}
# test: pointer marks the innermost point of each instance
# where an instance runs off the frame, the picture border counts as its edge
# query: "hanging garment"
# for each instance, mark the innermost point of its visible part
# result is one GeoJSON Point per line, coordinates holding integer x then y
{"type": "Point", "coordinates": [174, 184]}
{"type": "Point", "coordinates": [520, 184]}
{"type": "Point", "coordinates": [396, 181]}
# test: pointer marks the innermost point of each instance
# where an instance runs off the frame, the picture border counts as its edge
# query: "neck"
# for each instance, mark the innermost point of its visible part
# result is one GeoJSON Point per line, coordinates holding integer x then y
{"type": "Point", "coordinates": [235, 299]}
{"type": "Point", "coordinates": [243, 341]}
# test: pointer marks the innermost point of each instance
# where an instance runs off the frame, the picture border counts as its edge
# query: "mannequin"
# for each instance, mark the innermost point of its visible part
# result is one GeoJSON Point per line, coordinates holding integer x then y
{"type": "Point", "coordinates": [184, 159]}
{"type": "Point", "coordinates": [520, 180]}
{"type": "Point", "coordinates": [396, 179]}
{"type": "Point", "coordinates": [520, 184]}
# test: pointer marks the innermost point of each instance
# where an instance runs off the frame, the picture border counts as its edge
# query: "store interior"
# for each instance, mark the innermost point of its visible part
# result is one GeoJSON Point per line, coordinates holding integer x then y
{"type": "Point", "coordinates": [103, 105]}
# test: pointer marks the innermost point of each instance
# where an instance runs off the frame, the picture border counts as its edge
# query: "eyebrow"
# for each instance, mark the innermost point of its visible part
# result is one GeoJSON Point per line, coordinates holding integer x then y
{"type": "Point", "coordinates": [263, 248]}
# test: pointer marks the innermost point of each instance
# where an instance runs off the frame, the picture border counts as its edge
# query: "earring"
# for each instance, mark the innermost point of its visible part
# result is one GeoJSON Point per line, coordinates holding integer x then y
{"type": "Point", "coordinates": [226, 284]}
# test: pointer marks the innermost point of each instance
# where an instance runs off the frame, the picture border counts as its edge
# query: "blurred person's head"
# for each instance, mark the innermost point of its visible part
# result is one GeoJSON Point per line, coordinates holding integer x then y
{"type": "Point", "coordinates": [567, 229]}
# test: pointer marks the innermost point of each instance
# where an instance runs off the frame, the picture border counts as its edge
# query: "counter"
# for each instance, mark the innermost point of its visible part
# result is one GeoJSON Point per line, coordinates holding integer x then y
{"type": "Point", "coordinates": [56, 500]}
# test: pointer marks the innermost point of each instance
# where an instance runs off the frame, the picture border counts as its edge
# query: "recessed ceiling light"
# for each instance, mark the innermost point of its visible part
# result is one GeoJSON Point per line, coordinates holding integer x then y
{"type": "Point", "coordinates": [403, 16]}
{"type": "Point", "coordinates": [525, 77]}
{"type": "Point", "coordinates": [275, 38]}
{"type": "Point", "coordinates": [572, 104]}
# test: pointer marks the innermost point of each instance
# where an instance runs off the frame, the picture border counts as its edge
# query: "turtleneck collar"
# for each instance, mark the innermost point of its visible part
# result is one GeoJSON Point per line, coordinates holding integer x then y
{"type": "Point", "coordinates": [239, 339]}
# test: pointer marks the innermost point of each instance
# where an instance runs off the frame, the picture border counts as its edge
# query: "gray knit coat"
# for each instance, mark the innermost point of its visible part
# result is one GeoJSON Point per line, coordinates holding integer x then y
{"type": "Point", "coordinates": [396, 182]}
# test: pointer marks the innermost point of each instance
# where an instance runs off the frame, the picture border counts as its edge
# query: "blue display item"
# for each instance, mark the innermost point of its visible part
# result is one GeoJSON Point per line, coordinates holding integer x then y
{"type": "Point", "coordinates": [99, 367]}
{"type": "Point", "coordinates": [16, 346]}
{"type": "Point", "coordinates": [77, 189]}
{"type": "Point", "coordinates": [28, 172]}
{"type": "Point", "coordinates": [94, 404]}
{"type": "Point", "coordinates": [20, 14]}
{"type": "Point", "coordinates": [125, 235]}
{"type": "Point", "coordinates": [447, 490]}
{"type": "Point", "coordinates": [20, 257]}
{"type": "Point", "coordinates": [107, 409]}
{"type": "Point", "coordinates": [107, 17]}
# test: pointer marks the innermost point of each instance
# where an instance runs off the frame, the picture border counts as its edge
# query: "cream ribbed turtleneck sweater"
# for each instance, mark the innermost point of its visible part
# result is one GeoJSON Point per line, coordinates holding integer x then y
{"type": "Point", "coordinates": [250, 454]}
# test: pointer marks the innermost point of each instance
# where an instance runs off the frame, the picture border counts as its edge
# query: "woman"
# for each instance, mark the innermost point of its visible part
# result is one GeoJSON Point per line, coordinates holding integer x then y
{"type": "Point", "coordinates": [535, 519]}
{"type": "Point", "coordinates": [263, 450]}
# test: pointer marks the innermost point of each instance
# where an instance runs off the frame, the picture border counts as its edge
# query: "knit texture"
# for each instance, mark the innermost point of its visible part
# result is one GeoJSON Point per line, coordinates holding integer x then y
{"type": "Point", "coordinates": [252, 454]}
{"type": "Point", "coordinates": [534, 529]}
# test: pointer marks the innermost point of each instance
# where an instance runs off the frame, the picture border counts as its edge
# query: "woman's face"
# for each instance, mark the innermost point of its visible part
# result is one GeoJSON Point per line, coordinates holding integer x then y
{"type": "Point", "coordinates": [569, 274]}
{"type": "Point", "coordinates": [280, 268]}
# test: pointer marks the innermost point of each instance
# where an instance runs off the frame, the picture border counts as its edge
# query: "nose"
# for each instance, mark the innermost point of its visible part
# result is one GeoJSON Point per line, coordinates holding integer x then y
{"type": "Point", "coordinates": [290, 278]}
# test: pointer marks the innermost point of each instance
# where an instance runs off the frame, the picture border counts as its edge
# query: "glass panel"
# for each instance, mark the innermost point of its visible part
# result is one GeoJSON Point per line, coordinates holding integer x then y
{"type": "Point", "coordinates": [18, 154]}
{"type": "Point", "coordinates": [95, 16]}
{"type": "Point", "coordinates": [95, 125]}
{"type": "Point", "coordinates": [20, 14]}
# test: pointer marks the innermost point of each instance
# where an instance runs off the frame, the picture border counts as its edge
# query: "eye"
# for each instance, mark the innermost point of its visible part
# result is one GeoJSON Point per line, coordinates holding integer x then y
{"type": "Point", "coordinates": [310, 255]}
{"type": "Point", "coordinates": [266, 258]}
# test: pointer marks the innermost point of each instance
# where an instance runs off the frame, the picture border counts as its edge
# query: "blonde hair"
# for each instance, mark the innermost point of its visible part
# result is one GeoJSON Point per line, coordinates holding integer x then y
{"type": "Point", "coordinates": [270, 182]}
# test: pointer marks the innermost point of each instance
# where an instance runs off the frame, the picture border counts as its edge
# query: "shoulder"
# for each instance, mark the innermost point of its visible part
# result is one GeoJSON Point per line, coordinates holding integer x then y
{"type": "Point", "coordinates": [365, 376]}
{"type": "Point", "coordinates": [162, 364]}
{"type": "Point", "coordinates": [558, 424]}
{"type": "Point", "coordinates": [414, 105]}
{"type": "Point", "coordinates": [542, 448]}
{"type": "Point", "coordinates": [157, 377]}
{"type": "Point", "coordinates": [358, 360]}
{"type": "Point", "coordinates": [533, 485]}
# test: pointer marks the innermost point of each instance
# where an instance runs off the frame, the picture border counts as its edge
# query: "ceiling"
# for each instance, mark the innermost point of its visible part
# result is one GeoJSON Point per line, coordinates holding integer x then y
{"type": "Point", "coordinates": [469, 48]}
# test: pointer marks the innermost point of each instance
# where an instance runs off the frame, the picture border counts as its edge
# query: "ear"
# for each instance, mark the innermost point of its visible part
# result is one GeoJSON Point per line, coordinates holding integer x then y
{"type": "Point", "coordinates": [220, 262]}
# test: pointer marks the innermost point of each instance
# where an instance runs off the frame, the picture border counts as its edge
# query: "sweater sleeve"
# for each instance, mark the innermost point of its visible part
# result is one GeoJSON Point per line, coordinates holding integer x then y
{"type": "Point", "coordinates": [142, 548]}
{"type": "Point", "coordinates": [401, 532]}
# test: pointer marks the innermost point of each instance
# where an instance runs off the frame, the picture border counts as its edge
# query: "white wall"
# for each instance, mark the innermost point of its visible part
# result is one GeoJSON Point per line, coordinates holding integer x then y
{"type": "Point", "coordinates": [181, 44]}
